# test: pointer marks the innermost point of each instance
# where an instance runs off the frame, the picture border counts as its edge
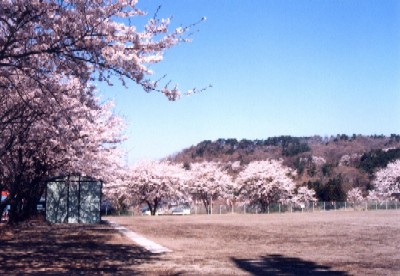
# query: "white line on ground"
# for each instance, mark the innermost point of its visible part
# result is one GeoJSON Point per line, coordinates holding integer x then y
{"type": "Point", "coordinates": [140, 240]}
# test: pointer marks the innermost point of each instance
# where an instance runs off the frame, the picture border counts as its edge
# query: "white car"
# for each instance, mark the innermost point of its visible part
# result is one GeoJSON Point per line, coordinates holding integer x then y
{"type": "Point", "coordinates": [180, 210]}
{"type": "Point", "coordinates": [146, 211]}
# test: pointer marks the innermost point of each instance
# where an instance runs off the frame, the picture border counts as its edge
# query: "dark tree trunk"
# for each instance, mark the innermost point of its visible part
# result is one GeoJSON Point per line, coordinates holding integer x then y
{"type": "Point", "coordinates": [153, 206]}
{"type": "Point", "coordinates": [15, 213]}
{"type": "Point", "coordinates": [32, 199]}
{"type": "Point", "coordinates": [23, 206]}
{"type": "Point", "coordinates": [206, 202]}
{"type": "Point", "coordinates": [29, 208]}
{"type": "Point", "coordinates": [264, 206]}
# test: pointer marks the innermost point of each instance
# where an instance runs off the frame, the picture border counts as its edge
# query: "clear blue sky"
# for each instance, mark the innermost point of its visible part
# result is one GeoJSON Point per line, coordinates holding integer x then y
{"type": "Point", "coordinates": [282, 67]}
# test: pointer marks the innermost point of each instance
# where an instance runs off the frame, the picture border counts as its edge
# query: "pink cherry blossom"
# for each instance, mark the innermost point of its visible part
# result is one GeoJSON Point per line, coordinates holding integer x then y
{"type": "Point", "coordinates": [209, 182]}
{"type": "Point", "coordinates": [267, 182]}
{"type": "Point", "coordinates": [386, 183]}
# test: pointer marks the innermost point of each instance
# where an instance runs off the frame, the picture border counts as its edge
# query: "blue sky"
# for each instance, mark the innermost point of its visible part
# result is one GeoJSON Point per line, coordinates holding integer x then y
{"type": "Point", "coordinates": [282, 67]}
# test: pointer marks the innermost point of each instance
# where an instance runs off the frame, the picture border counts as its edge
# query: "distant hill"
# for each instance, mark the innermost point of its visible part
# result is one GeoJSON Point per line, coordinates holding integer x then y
{"type": "Point", "coordinates": [348, 160]}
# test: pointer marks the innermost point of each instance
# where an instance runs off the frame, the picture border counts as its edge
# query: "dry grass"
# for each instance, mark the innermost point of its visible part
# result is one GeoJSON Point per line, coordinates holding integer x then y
{"type": "Point", "coordinates": [323, 243]}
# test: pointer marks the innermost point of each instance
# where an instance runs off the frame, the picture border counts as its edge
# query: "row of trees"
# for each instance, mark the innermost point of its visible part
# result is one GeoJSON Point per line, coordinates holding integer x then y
{"type": "Point", "coordinates": [260, 183]}
{"type": "Point", "coordinates": [51, 121]}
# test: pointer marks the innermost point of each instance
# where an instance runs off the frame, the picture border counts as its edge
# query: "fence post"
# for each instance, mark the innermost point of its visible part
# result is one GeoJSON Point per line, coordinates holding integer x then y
{"type": "Point", "coordinates": [376, 205]}
{"type": "Point", "coordinates": [244, 209]}
{"type": "Point", "coordinates": [232, 208]}
{"type": "Point", "coordinates": [220, 209]}
{"type": "Point", "coordinates": [345, 205]}
{"type": "Point", "coordinates": [279, 207]}
{"type": "Point", "coordinates": [324, 205]}
{"type": "Point", "coordinates": [268, 209]}
{"type": "Point", "coordinates": [386, 205]}
{"type": "Point", "coordinates": [366, 206]}
{"type": "Point", "coordinates": [313, 207]}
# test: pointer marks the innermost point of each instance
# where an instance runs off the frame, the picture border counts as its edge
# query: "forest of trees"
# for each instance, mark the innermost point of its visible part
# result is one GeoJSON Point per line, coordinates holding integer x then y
{"type": "Point", "coordinates": [330, 165]}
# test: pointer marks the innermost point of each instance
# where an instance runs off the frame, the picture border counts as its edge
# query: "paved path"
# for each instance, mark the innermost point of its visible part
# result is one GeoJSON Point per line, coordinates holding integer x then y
{"type": "Point", "coordinates": [140, 240]}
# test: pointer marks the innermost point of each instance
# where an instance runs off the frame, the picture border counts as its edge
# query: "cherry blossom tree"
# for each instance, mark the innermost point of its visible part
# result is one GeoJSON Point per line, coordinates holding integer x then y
{"type": "Point", "coordinates": [116, 189]}
{"type": "Point", "coordinates": [50, 54]}
{"type": "Point", "coordinates": [209, 182]}
{"type": "Point", "coordinates": [46, 41]}
{"type": "Point", "coordinates": [387, 182]}
{"type": "Point", "coordinates": [51, 145]}
{"type": "Point", "coordinates": [304, 195]}
{"type": "Point", "coordinates": [266, 182]}
{"type": "Point", "coordinates": [155, 182]}
{"type": "Point", "coordinates": [355, 195]}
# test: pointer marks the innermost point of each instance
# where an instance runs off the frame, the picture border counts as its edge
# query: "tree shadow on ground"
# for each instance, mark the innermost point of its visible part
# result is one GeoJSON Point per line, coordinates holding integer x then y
{"type": "Point", "coordinates": [68, 249]}
{"type": "Point", "coordinates": [282, 265]}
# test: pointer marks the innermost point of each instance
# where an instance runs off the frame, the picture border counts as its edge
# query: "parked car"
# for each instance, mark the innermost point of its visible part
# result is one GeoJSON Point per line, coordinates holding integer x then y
{"type": "Point", "coordinates": [145, 211]}
{"type": "Point", "coordinates": [181, 210]}
{"type": "Point", "coordinates": [160, 211]}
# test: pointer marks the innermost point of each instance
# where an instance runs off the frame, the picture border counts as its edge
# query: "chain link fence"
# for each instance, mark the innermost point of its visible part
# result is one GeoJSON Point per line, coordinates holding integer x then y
{"type": "Point", "coordinates": [242, 208]}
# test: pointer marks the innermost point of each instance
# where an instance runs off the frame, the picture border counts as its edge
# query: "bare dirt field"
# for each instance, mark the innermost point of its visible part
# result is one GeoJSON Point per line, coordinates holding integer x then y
{"type": "Point", "coordinates": [320, 243]}
{"type": "Point", "coordinates": [323, 243]}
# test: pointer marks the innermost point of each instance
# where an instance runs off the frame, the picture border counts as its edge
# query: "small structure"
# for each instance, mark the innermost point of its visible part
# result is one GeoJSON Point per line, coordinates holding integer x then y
{"type": "Point", "coordinates": [73, 199]}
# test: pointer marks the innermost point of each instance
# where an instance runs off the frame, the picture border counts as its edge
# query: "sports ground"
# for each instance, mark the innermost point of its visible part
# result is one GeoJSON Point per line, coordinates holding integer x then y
{"type": "Point", "coordinates": [319, 243]}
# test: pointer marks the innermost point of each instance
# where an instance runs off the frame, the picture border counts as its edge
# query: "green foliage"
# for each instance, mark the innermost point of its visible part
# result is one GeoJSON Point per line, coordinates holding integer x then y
{"type": "Point", "coordinates": [378, 159]}
{"type": "Point", "coordinates": [395, 138]}
{"type": "Point", "coordinates": [292, 149]}
{"type": "Point", "coordinates": [316, 185]}
{"type": "Point", "coordinates": [327, 169]}
{"type": "Point", "coordinates": [312, 170]}
{"type": "Point", "coordinates": [333, 190]}
{"type": "Point", "coordinates": [341, 137]}
{"type": "Point", "coordinates": [329, 192]}
{"type": "Point", "coordinates": [299, 166]}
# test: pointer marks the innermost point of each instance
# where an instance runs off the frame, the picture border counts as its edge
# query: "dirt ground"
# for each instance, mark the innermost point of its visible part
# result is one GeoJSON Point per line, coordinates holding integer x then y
{"type": "Point", "coordinates": [321, 243]}
{"type": "Point", "coordinates": [38, 248]}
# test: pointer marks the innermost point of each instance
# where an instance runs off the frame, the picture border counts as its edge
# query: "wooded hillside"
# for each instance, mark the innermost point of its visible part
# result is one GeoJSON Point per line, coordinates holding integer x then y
{"type": "Point", "coordinates": [330, 165]}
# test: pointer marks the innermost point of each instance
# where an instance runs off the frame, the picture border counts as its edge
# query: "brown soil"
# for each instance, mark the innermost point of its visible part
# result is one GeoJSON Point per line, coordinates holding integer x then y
{"type": "Point", "coordinates": [38, 248]}
{"type": "Point", "coordinates": [320, 243]}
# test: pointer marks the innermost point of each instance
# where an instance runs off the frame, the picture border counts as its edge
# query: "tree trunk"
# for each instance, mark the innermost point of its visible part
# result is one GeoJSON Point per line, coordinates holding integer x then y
{"type": "Point", "coordinates": [29, 208]}
{"type": "Point", "coordinates": [206, 203]}
{"type": "Point", "coordinates": [15, 213]}
{"type": "Point", "coordinates": [23, 206]}
{"type": "Point", "coordinates": [264, 206]}
{"type": "Point", "coordinates": [153, 206]}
